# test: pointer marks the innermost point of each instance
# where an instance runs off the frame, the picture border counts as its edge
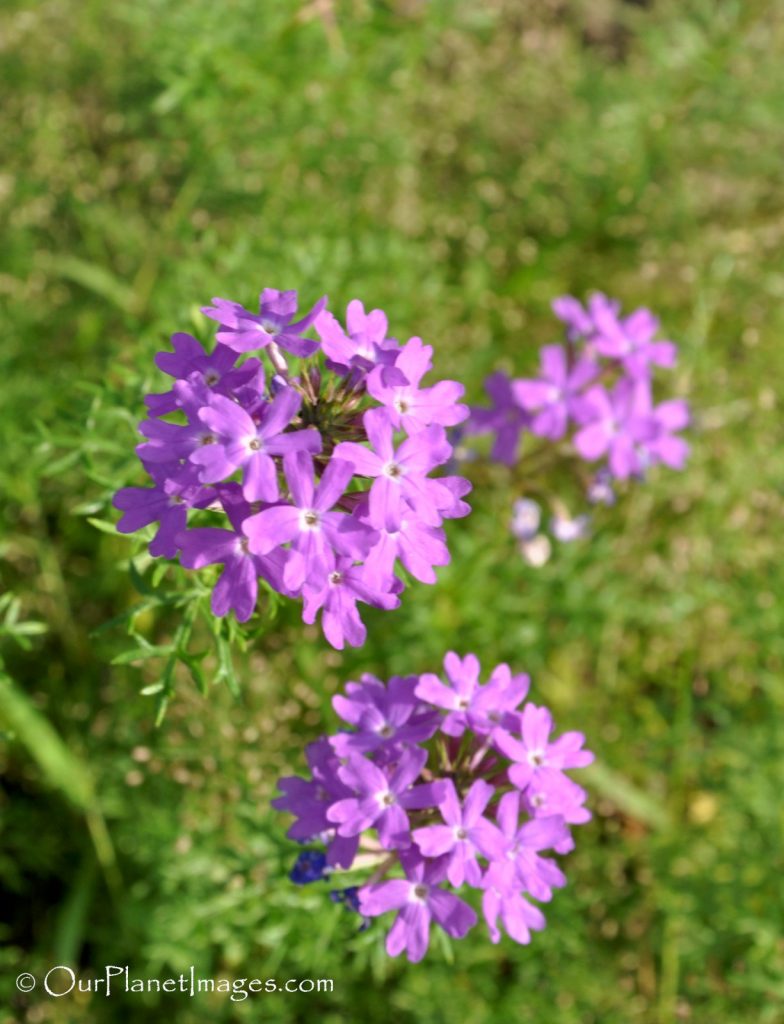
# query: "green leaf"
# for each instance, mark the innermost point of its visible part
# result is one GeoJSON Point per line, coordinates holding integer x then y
{"type": "Point", "coordinates": [142, 653]}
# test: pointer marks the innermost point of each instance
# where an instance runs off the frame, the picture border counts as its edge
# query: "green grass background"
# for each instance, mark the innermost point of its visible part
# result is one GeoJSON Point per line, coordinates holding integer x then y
{"type": "Point", "coordinates": [458, 164]}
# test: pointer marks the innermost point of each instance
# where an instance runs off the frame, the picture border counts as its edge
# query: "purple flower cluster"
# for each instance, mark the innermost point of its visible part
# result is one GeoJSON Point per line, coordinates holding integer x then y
{"type": "Point", "coordinates": [596, 389]}
{"type": "Point", "coordinates": [441, 783]}
{"type": "Point", "coordinates": [317, 482]}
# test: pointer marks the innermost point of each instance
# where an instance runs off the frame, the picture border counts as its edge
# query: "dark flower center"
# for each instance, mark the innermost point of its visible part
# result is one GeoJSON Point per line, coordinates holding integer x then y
{"type": "Point", "coordinates": [254, 445]}
{"type": "Point", "coordinates": [420, 891]}
{"type": "Point", "coordinates": [336, 577]}
{"type": "Point", "coordinates": [207, 439]}
{"type": "Point", "coordinates": [310, 518]}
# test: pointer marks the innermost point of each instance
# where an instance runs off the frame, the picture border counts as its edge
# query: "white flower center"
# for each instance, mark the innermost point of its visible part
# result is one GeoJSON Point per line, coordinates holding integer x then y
{"type": "Point", "coordinates": [309, 519]}
{"type": "Point", "coordinates": [393, 470]}
{"type": "Point", "coordinates": [536, 758]}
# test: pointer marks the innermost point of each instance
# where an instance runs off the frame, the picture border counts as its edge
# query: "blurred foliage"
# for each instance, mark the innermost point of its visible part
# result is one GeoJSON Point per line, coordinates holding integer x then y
{"type": "Point", "coordinates": [458, 164]}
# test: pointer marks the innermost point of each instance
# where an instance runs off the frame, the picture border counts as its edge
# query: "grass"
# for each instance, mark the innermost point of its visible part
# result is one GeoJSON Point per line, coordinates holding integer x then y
{"type": "Point", "coordinates": [458, 165]}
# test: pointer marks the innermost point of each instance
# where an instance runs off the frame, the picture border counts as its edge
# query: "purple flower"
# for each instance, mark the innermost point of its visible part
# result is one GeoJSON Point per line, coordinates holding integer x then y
{"type": "Point", "coordinates": [231, 422]}
{"type": "Point", "coordinates": [534, 752]}
{"type": "Point", "coordinates": [172, 442]}
{"type": "Point", "coordinates": [628, 339]}
{"type": "Point", "coordinates": [552, 395]}
{"type": "Point", "coordinates": [506, 419]}
{"type": "Point", "coordinates": [571, 313]}
{"type": "Point", "coordinates": [364, 346]}
{"type": "Point", "coordinates": [343, 585]}
{"type": "Point", "coordinates": [384, 716]}
{"type": "Point", "coordinates": [409, 407]}
{"type": "Point", "coordinates": [662, 445]}
{"type": "Point", "coordinates": [419, 899]}
{"type": "Point", "coordinates": [463, 677]}
{"type": "Point", "coordinates": [615, 423]}
{"type": "Point", "coordinates": [518, 864]}
{"type": "Point", "coordinates": [418, 547]}
{"type": "Point", "coordinates": [465, 834]}
{"type": "Point", "coordinates": [518, 916]}
{"type": "Point", "coordinates": [166, 503]}
{"type": "Point", "coordinates": [400, 475]}
{"type": "Point", "coordinates": [238, 584]}
{"type": "Point", "coordinates": [494, 704]}
{"type": "Point", "coordinates": [244, 331]}
{"type": "Point", "coordinates": [551, 792]}
{"type": "Point", "coordinates": [308, 523]}
{"type": "Point", "coordinates": [310, 799]}
{"type": "Point", "coordinates": [383, 797]}
{"type": "Point", "coordinates": [248, 443]}
{"type": "Point", "coordinates": [214, 371]}
{"type": "Point", "coordinates": [390, 786]}
{"type": "Point", "coordinates": [469, 705]}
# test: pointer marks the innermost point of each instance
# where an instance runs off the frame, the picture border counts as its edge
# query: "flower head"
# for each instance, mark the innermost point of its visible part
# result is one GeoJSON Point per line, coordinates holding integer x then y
{"type": "Point", "coordinates": [433, 809]}
{"type": "Point", "coordinates": [327, 500]}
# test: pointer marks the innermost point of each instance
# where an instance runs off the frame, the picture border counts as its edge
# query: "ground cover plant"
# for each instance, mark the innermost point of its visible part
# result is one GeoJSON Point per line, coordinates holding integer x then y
{"type": "Point", "coordinates": [458, 166]}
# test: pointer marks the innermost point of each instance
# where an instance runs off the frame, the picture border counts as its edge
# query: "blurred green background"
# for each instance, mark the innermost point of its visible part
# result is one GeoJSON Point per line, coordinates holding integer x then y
{"type": "Point", "coordinates": [458, 164]}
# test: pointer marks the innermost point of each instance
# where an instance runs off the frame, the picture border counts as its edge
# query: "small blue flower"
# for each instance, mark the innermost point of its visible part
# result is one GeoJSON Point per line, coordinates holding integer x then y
{"type": "Point", "coordinates": [310, 866]}
{"type": "Point", "coordinates": [350, 899]}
